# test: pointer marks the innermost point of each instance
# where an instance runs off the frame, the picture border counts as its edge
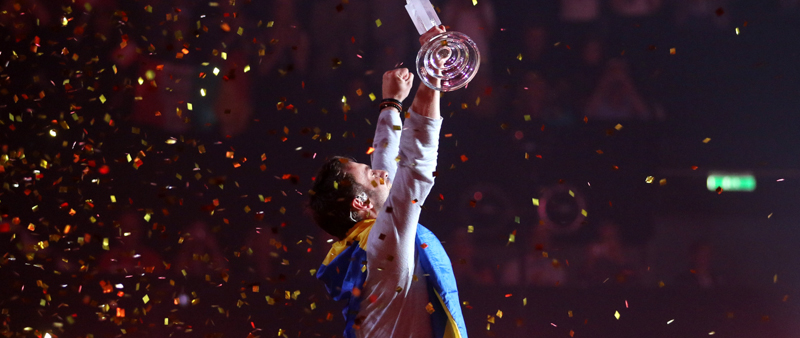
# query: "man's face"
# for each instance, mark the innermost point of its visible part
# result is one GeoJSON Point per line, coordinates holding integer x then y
{"type": "Point", "coordinates": [375, 182]}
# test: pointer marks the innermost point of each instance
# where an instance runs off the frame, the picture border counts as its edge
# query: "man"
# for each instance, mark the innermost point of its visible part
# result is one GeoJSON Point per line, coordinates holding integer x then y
{"type": "Point", "coordinates": [393, 273]}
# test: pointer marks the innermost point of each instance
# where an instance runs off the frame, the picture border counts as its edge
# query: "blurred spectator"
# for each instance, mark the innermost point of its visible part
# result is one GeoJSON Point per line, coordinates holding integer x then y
{"type": "Point", "coordinates": [156, 105]}
{"type": "Point", "coordinates": [489, 208]}
{"type": "Point", "coordinates": [340, 32]}
{"type": "Point", "coordinates": [233, 105]}
{"type": "Point", "coordinates": [635, 8]}
{"type": "Point", "coordinates": [701, 273]}
{"type": "Point", "coordinates": [286, 44]}
{"type": "Point", "coordinates": [265, 246]}
{"type": "Point", "coordinates": [536, 98]}
{"type": "Point", "coordinates": [25, 16]}
{"type": "Point", "coordinates": [394, 40]}
{"type": "Point", "coordinates": [789, 4]}
{"type": "Point", "coordinates": [199, 253]}
{"type": "Point", "coordinates": [584, 75]}
{"type": "Point", "coordinates": [477, 22]}
{"type": "Point", "coordinates": [131, 256]}
{"type": "Point", "coordinates": [534, 45]}
{"type": "Point", "coordinates": [536, 267]}
{"type": "Point", "coordinates": [702, 14]}
{"type": "Point", "coordinates": [616, 97]}
{"type": "Point", "coordinates": [580, 11]}
{"type": "Point", "coordinates": [606, 258]}
{"type": "Point", "coordinates": [468, 267]}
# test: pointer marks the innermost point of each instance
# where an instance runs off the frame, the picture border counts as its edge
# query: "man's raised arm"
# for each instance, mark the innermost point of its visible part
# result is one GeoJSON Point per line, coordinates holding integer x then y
{"type": "Point", "coordinates": [386, 143]}
{"type": "Point", "coordinates": [396, 225]}
{"type": "Point", "coordinates": [426, 102]}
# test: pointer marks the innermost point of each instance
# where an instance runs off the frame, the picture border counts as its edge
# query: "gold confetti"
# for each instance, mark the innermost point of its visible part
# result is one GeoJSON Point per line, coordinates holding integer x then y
{"type": "Point", "coordinates": [672, 51]}
{"type": "Point", "coordinates": [618, 127]}
{"type": "Point", "coordinates": [706, 140]}
{"type": "Point", "coordinates": [616, 314]}
{"type": "Point", "coordinates": [649, 179]}
{"type": "Point", "coordinates": [536, 202]}
{"type": "Point", "coordinates": [378, 22]}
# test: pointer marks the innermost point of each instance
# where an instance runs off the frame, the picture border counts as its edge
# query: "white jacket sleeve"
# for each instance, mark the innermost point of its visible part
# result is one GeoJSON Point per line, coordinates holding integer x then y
{"type": "Point", "coordinates": [386, 143]}
{"type": "Point", "coordinates": [390, 247]}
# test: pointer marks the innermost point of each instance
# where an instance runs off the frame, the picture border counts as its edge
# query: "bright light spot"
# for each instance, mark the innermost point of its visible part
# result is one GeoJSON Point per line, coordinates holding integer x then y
{"type": "Point", "coordinates": [202, 92]}
{"type": "Point", "coordinates": [53, 132]}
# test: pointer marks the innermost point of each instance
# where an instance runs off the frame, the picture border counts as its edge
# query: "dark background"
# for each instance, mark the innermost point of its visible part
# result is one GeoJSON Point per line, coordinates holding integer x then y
{"type": "Point", "coordinates": [202, 207]}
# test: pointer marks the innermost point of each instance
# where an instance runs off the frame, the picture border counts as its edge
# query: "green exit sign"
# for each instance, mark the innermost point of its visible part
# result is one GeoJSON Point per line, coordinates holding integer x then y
{"type": "Point", "coordinates": [731, 182]}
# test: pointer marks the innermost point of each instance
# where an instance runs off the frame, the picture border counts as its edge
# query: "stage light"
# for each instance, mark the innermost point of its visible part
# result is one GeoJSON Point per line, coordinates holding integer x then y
{"type": "Point", "coordinates": [731, 182]}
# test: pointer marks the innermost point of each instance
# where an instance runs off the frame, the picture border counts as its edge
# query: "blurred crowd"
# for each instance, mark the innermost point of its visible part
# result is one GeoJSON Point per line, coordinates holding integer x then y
{"type": "Point", "coordinates": [195, 66]}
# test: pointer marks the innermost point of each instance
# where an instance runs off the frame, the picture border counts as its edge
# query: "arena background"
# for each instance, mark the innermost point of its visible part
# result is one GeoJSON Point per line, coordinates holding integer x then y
{"type": "Point", "coordinates": [156, 159]}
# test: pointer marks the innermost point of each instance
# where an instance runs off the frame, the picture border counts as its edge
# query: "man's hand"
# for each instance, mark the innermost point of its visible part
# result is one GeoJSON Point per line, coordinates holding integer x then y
{"type": "Point", "coordinates": [397, 84]}
{"type": "Point", "coordinates": [427, 36]}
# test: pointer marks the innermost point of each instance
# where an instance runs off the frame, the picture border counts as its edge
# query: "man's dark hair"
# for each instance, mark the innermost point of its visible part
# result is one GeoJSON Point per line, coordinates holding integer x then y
{"type": "Point", "coordinates": [331, 196]}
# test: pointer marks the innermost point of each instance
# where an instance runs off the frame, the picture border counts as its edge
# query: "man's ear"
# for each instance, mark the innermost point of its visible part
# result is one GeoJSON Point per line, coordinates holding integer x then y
{"type": "Point", "coordinates": [361, 202]}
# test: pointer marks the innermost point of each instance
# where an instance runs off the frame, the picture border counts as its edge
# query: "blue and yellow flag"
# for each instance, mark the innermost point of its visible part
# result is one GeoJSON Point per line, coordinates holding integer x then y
{"type": "Point", "coordinates": [345, 269]}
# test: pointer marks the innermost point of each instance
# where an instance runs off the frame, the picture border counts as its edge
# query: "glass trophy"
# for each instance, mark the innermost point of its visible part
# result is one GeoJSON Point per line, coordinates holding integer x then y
{"type": "Point", "coordinates": [449, 60]}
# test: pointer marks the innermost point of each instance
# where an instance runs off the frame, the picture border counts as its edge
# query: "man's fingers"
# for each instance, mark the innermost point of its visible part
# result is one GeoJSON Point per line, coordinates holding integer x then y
{"type": "Point", "coordinates": [434, 31]}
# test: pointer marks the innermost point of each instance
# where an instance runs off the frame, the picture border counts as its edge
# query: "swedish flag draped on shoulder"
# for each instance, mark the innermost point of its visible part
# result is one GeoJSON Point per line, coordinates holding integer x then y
{"type": "Point", "coordinates": [345, 269]}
